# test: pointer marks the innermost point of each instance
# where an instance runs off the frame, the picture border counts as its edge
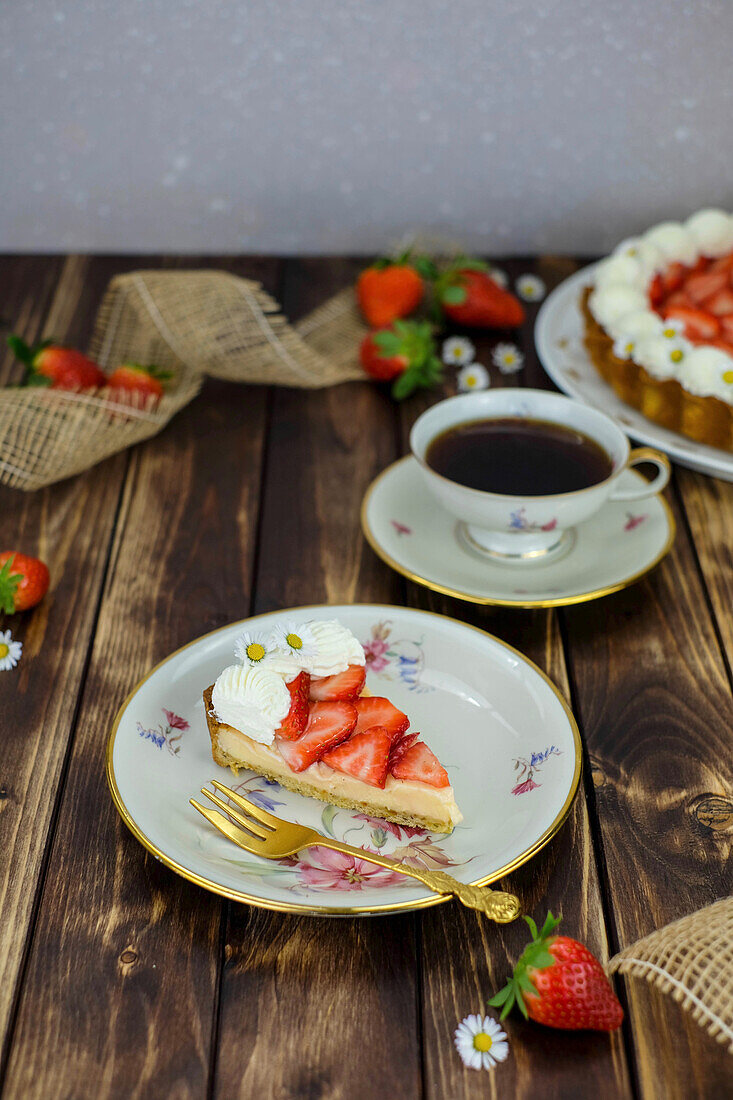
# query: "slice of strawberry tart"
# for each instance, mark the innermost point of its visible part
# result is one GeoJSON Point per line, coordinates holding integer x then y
{"type": "Point", "coordinates": [294, 708]}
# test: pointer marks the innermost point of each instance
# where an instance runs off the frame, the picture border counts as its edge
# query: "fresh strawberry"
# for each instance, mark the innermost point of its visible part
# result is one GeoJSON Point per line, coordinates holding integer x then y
{"type": "Point", "coordinates": [726, 328]}
{"type": "Point", "coordinates": [674, 276]}
{"type": "Point", "coordinates": [23, 581]}
{"type": "Point", "coordinates": [400, 747]}
{"type": "Point", "coordinates": [388, 290]}
{"type": "Point", "coordinates": [406, 352]}
{"type": "Point", "coordinates": [723, 263]}
{"type": "Point", "coordinates": [296, 719]}
{"type": "Point", "coordinates": [700, 287]}
{"type": "Point", "coordinates": [724, 345]}
{"type": "Point", "coordinates": [720, 304]}
{"type": "Point", "coordinates": [134, 378]}
{"type": "Point", "coordinates": [656, 292]}
{"type": "Point", "coordinates": [375, 710]}
{"type": "Point", "coordinates": [678, 298]}
{"type": "Point", "coordinates": [557, 982]}
{"type": "Point", "coordinates": [344, 685]}
{"type": "Point", "coordinates": [699, 325]}
{"type": "Point", "coordinates": [59, 368]}
{"type": "Point", "coordinates": [364, 755]}
{"type": "Point", "coordinates": [421, 765]}
{"type": "Point", "coordinates": [469, 296]}
{"type": "Point", "coordinates": [329, 723]}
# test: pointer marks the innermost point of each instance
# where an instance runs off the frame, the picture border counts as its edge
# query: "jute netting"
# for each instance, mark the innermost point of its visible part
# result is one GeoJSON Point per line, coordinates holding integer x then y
{"type": "Point", "coordinates": [194, 323]}
{"type": "Point", "coordinates": [693, 960]}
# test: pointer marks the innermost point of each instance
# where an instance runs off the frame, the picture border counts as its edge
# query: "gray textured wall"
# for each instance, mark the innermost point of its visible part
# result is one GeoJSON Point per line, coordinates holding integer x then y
{"type": "Point", "coordinates": [334, 125]}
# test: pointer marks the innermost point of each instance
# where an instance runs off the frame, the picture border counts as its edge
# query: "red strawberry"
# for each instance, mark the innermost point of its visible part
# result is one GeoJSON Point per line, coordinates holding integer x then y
{"type": "Point", "coordinates": [134, 378]}
{"type": "Point", "coordinates": [726, 325]}
{"type": "Point", "coordinates": [674, 276]}
{"type": "Point", "coordinates": [678, 298]}
{"type": "Point", "coordinates": [724, 345]}
{"type": "Point", "coordinates": [378, 365]}
{"type": "Point", "coordinates": [49, 364]}
{"type": "Point", "coordinates": [700, 287]}
{"type": "Point", "coordinates": [296, 719]}
{"type": "Point", "coordinates": [364, 755]}
{"type": "Point", "coordinates": [723, 263]}
{"type": "Point", "coordinates": [421, 765]}
{"type": "Point", "coordinates": [329, 723]}
{"type": "Point", "coordinates": [406, 353]}
{"type": "Point", "coordinates": [699, 325]}
{"type": "Point", "coordinates": [656, 291]}
{"type": "Point", "coordinates": [375, 710]}
{"type": "Point", "coordinates": [387, 291]}
{"type": "Point", "coordinates": [400, 747]}
{"type": "Point", "coordinates": [720, 304]}
{"type": "Point", "coordinates": [23, 581]}
{"type": "Point", "coordinates": [557, 982]}
{"type": "Point", "coordinates": [469, 296]}
{"type": "Point", "coordinates": [344, 685]}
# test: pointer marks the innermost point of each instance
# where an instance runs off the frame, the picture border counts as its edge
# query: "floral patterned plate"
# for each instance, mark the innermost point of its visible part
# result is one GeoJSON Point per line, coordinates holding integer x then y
{"type": "Point", "coordinates": [407, 529]}
{"type": "Point", "coordinates": [501, 728]}
{"type": "Point", "coordinates": [559, 339]}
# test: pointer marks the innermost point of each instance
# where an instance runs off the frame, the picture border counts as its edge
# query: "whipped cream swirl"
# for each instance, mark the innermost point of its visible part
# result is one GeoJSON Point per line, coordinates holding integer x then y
{"type": "Point", "coordinates": [252, 700]}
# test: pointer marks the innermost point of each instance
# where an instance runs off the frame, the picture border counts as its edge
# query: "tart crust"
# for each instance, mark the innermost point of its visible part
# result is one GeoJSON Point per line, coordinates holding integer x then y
{"type": "Point", "coordinates": [299, 783]}
{"type": "Point", "coordinates": [663, 400]}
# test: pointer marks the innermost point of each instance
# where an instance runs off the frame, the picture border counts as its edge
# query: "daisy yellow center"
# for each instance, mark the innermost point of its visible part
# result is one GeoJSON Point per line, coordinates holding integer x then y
{"type": "Point", "coordinates": [4, 650]}
{"type": "Point", "coordinates": [509, 357]}
{"type": "Point", "coordinates": [255, 651]}
{"type": "Point", "coordinates": [669, 333]}
{"type": "Point", "coordinates": [294, 641]}
{"type": "Point", "coordinates": [728, 376]}
{"type": "Point", "coordinates": [629, 348]}
{"type": "Point", "coordinates": [482, 1042]}
{"type": "Point", "coordinates": [471, 381]}
{"type": "Point", "coordinates": [676, 355]}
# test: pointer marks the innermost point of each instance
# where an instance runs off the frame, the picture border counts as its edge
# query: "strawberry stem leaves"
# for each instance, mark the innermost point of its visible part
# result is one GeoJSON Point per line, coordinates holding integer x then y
{"type": "Point", "coordinates": [536, 956]}
{"type": "Point", "coordinates": [8, 587]}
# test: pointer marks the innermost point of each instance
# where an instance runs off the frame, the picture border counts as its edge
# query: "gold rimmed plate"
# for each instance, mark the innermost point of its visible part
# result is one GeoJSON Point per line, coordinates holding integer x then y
{"type": "Point", "coordinates": [410, 532]}
{"type": "Point", "coordinates": [501, 728]}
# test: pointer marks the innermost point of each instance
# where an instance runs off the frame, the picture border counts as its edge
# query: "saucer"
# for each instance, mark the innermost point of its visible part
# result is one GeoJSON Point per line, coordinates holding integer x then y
{"type": "Point", "coordinates": [409, 531]}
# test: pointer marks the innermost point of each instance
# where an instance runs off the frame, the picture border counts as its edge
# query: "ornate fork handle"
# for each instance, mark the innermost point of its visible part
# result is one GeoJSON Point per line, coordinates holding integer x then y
{"type": "Point", "coordinates": [494, 904]}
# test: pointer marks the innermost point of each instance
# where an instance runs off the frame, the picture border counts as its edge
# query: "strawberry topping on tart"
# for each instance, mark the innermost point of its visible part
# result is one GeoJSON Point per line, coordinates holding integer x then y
{"type": "Point", "coordinates": [295, 713]}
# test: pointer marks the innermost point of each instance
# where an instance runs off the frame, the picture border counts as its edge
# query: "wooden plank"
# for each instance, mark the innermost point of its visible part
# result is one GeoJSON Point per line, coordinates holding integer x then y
{"type": "Point", "coordinates": [708, 507]}
{"type": "Point", "coordinates": [464, 959]}
{"type": "Point", "coordinates": [306, 1003]}
{"type": "Point", "coordinates": [119, 991]}
{"type": "Point", "coordinates": [70, 527]}
{"type": "Point", "coordinates": [651, 690]}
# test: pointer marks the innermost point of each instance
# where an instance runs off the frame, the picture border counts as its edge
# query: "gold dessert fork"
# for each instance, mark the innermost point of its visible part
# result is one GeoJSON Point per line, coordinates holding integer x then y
{"type": "Point", "coordinates": [263, 834]}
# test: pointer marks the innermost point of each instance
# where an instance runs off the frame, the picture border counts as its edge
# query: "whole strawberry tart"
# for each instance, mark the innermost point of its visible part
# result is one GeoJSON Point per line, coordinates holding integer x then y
{"type": "Point", "coordinates": [659, 325]}
{"type": "Point", "coordinates": [294, 708]}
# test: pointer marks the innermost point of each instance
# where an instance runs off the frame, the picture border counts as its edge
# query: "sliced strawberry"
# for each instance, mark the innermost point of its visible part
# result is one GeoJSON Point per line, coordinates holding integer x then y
{"type": "Point", "coordinates": [378, 711]}
{"type": "Point", "coordinates": [702, 264]}
{"type": "Point", "coordinates": [420, 765]}
{"type": "Point", "coordinates": [720, 304]}
{"type": "Point", "coordinates": [344, 685]}
{"type": "Point", "coordinates": [679, 298]}
{"type": "Point", "coordinates": [329, 723]}
{"type": "Point", "coordinates": [399, 748]}
{"type": "Point", "coordinates": [700, 287]}
{"type": "Point", "coordinates": [296, 719]}
{"type": "Point", "coordinates": [699, 325]}
{"type": "Point", "coordinates": [674, 276]}
{"type": "Point", "coordinates": [723, 263]}
{"type": "Point", "coordinates": [364, 755]}
{"type": "Point", "coordinates": [656, 291]}
{"type": "Point", "coordinates": [726, 325]}
{"type": "Point", "coordinates": [724, 345]}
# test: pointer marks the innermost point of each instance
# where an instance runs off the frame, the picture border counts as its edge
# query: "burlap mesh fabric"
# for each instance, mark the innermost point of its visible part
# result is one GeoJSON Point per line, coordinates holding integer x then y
{"type": "Point", "coordinates": [194, 323]}
{"type": "Point", "coordinates": [693, 960]}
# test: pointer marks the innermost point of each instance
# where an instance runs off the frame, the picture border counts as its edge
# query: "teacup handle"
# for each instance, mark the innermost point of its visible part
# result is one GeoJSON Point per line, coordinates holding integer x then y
{"type": "Point", "coordinates": [645, 454]}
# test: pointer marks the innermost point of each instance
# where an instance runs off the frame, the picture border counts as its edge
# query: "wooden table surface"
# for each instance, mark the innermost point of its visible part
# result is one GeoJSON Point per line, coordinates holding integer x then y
{"type": "Point", "coordinates": [120, 979]}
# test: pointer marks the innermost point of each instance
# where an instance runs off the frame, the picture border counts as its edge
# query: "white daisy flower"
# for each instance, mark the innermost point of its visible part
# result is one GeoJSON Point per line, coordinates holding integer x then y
{"type": "Point", "coordinates": [530, 287]}
{"type": "Point", "coordinates": [508, 358]}
{"type": "Point", "coordinates": [474, 377]}
{"type": "Point", "coordinates": [10, 651]}
{"type": "Point", "coordinates": [500, 277]}
{"type": "Point", "coordinates": [458, 350]}
{"type": "Point", "coordinates": [252, 647]}
{"type": "Point", "coordinates": [296, 639]}
{"type": "Point", "coordinates": [480, 1042]}
{"type": "Point", "coordinates": [623, 348]}
{"type": "Point", "coordinates": [672, 328]}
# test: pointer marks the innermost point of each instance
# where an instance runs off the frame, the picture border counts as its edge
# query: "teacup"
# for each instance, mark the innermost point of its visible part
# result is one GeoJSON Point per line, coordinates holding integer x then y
{"type": "Point", "coordinates": [519, 529]}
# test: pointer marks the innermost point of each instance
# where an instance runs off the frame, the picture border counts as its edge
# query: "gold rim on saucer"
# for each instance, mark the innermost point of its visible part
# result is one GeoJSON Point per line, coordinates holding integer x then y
{"type": "Point", "coordinates": [496, 601]}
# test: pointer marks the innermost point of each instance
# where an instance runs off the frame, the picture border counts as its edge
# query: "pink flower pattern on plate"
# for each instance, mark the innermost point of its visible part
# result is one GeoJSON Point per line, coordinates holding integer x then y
{"type": "Point", "coordinates": [397, 831]}
{"type": "Point", "coordinates": [324, 869]}
{"type": "Point", "coordinates": [374, 652]}
{"type": "Point", "coordinates": [633, 521]}
{"type": "Point", "coordinates": [523, 788]}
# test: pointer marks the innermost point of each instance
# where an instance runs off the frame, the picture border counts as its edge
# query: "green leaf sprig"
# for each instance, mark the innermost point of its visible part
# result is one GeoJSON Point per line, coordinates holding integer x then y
{"type": "Point", "coordinates": [415, 341]}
